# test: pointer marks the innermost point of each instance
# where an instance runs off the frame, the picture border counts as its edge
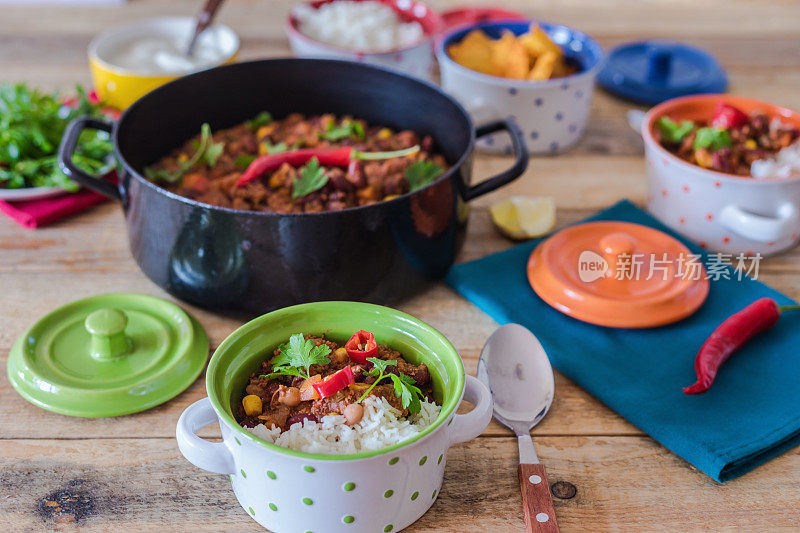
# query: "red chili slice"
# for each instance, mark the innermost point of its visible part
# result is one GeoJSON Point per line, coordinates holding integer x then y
{"type": "Point", "coordinates": [725, 116]}
{"type": "Point", "coordinates": [335, 382]}
{"type": "Point", "coordinates": [360, 346]}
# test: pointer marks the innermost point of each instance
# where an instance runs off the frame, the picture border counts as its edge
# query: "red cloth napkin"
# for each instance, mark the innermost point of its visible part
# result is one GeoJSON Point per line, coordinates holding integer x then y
{"type": "Point", "coordinates": [37, 213]}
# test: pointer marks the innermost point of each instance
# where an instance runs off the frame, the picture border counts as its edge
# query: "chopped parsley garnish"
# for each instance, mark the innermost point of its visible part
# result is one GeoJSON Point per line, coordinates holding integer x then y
{"type": "Point", "coordinates": [243, 161]}
{"type": "Point", "coordinates": [312, 178]}
{"type": "Point", "coordinates": [404, 387]}
{"type": "Point", "coordinates": [712, 138]}
{"type": "Point", "coordinates": [296, 357]}
{"type": "Point", "coordinates": [206, 150]}
{"type": "Point", "coordinates": [348, 128]}
{"type": "Point", "coordinates": [277, 148]}
{"type": "Point", "coordinates": [422, 173]}
{"type": "Point", "coordinates": [671, 131]}
{"type": "Point", "coordinates": [262, 119]}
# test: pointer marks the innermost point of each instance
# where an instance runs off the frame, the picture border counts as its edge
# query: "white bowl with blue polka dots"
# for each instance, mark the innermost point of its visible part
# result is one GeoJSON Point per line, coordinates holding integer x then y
{"type": "Point", "coordinates": [288, 491]}
{"type": "Point", "coordinates": [551, 113]}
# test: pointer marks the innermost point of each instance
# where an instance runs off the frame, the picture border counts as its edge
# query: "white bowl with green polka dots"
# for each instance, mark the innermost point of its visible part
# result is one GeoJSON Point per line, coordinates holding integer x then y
{"type": "Point", "coordinates": [287, 491]}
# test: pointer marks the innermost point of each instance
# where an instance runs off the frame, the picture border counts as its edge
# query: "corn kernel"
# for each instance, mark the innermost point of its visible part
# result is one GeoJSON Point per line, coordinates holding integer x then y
{"type": "Point", "coordinates": [263, 131]}
{"type": "Point", "coordinates": [252, 405]}
{"type": "Point", "coordinates": [341, 352]}
{"type": "Point", "coordinates": [703, 157]}
{"type": "Point", "coordinates": [262, 149]}
{"type": "Point", "coordinates": [751, 144]}
{"type": "Point", "coordinates": [384, 133]}
{"type": "Point", "coordinates": [390, 197]}
{"type": "Point", "coordinates": [183, 158]}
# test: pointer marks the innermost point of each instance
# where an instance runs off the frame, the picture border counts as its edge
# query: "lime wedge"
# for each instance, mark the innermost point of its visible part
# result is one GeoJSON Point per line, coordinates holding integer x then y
{"type": "Point", "coordinates": [524, 217]}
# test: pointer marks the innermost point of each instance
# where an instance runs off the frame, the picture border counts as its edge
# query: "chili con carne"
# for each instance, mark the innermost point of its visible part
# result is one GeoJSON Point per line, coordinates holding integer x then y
{"type": "Point", "coordinates": [336, 157]}
{"type": "Point", "coordinates": [731, 335]}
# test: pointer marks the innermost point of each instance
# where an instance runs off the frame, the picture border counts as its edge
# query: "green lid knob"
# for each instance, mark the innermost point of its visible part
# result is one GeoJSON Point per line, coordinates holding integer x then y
{"type": "Point", "coordinates": [107, 328]}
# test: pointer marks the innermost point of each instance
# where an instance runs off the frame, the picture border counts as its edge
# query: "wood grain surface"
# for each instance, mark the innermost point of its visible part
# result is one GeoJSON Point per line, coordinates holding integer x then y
{"type": "Point", "coordinates": [126, 474]}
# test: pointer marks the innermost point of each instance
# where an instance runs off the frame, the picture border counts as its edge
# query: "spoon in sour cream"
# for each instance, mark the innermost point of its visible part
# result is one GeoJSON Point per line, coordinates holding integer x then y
{"type": "Point", "coordinates": [203, 21]}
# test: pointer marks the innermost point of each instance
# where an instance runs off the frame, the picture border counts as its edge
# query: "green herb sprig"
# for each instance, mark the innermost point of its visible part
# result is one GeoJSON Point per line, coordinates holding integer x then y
{"type": "Point", "coordinates": [206, 150]}
{"type": "Point", "coordinates": [296, 357]}
{"type": "Point", "coordinates": [713, 138]}
{"type": "Point", "coordinates": [262, 119]}
{"type": "Point", "coordinates": [348, 128]}
{"type": "Point", "coordinates": [404, 387]}
{"type": "Point", "coordinates": [312, 178]}
{"type": "Point", "coordinates": [422, 173]}
{"type": "Point", "coordinates": [671, 131]}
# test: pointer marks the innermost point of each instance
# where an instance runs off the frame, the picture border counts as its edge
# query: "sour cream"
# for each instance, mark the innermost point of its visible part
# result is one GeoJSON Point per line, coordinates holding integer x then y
{"type": "Point", "coordinates": [158, 46]}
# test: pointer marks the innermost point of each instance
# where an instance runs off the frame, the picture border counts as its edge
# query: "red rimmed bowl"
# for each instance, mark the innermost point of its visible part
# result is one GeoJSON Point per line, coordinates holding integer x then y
{"type": "Point", "coordinates": [723, 212]}
{"type": "Point", "coordinates": [416, 60]}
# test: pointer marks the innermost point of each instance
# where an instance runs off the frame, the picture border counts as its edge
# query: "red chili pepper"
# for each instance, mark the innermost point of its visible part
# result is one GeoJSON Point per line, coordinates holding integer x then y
{"type": "Point", "coordinates": [731, 335]}
{"type": "Point", "coordinates": [360, 346]}
{"type": "Point", "coordinates": [327, 157]}
{"type": "Point", "coordinates": [726, 116]}
{"type": "Point", "coordinates": [335, 382]}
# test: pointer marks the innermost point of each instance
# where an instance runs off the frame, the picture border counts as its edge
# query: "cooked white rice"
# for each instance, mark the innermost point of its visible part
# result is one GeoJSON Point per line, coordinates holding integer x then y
{"type": "Point", "coordinates": [381, 426]}
{"type": "Point", "coordinates": [785, 163]}
{"type": "Point", "coordinates": [359, 26]}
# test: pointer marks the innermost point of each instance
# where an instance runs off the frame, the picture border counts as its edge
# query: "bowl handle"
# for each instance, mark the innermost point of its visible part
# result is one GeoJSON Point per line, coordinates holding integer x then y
{"type": "Point", "coordinates": [468, 426]}
{"type": "Point", "coordinates": [760, 228]}
{"type": "Point", "coordinates": [507, 176]}
{"type": "Point", "coordinates": [211, 456]}
{"type": "Point", "coordinates": [67, 148]}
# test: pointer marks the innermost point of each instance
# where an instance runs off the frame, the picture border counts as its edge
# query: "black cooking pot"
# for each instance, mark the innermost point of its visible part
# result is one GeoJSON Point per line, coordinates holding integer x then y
{"type": "Point", "coordinates": [222, 258]}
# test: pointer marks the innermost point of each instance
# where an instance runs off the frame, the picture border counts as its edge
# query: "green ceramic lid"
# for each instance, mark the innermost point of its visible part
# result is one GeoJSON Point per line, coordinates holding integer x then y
{"type": "Point", "coordinates": [108, 355]}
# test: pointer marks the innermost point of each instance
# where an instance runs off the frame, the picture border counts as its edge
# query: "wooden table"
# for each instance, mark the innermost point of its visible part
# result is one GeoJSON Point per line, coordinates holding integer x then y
{"type": "Point", "coordinates": [127, 471]}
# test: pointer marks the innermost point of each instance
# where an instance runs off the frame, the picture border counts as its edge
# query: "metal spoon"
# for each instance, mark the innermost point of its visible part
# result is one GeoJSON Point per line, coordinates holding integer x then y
{"type": "Point", "coordinates": [515, 367]}
{"type": "Point", "coordinates": [203, 21]}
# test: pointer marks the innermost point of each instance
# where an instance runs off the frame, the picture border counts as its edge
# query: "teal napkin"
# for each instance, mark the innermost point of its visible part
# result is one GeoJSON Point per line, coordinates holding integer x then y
{"type": "Point", "coordinates": [750, 415]}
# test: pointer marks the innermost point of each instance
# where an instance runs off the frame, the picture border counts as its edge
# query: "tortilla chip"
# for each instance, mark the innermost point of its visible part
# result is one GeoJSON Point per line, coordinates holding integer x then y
{"type": "Point", "coordinates": [537, 42]}
{"type": "Point", "coordinates": [543, 68]}
{"type": "Point", "coordinates": [510, 57]}
{"type": "Point", "coordinates": [474, 52]}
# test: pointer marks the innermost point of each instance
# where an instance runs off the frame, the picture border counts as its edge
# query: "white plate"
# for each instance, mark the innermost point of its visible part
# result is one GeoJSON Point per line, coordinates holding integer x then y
{"type": "Point", "coordinates": [30, 193]}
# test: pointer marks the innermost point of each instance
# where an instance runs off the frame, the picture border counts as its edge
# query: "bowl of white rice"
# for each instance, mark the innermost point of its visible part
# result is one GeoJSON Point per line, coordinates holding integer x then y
{"type": "Point", "coordinates": [396, 34]}
{"type": "Point", "coordinates": [380, 474]}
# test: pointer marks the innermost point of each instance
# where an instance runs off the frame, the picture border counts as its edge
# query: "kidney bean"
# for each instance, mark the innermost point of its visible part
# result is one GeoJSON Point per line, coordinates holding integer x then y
{"type": "Point", "coordinates": [300, 418]}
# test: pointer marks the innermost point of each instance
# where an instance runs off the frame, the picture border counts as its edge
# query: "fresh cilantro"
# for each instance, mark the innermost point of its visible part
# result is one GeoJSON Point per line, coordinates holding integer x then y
{"type": "Point", "coordinates": [348, 128]}
{"type": "Point", "coordinates": [206, 150]}
{"type": "Point", "coordinates": [278, 148]}
{"type": "Point", "coordinates": [243, 161]}
{"type": "Point", "coordinates": [713, 138]}
{"type": "Point", "coordinates": [671, 131]}
{"type": "Point", "coordinates": [296, 357]}
{"type": "Point", "coordinates": [422, 173]}
{"type": "Point", "coordinates": [404, 387]}
{"type": "Point", "coordinates": [31, 126]}
{"type": "Point", "coordinates": [262, 119]}
{"type": "Point", "coordinates": [312, 177]}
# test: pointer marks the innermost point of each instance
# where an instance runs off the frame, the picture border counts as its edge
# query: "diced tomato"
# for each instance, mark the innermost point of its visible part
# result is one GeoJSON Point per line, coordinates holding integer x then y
{"type": "Point", "coordinates": [360, 346]}
{"type": "Point", "coordinates": [726, 116]}
{"type": "Point", "coordinates": [307, 390]}
{"type": "Point", "coordinates": [335, 382]}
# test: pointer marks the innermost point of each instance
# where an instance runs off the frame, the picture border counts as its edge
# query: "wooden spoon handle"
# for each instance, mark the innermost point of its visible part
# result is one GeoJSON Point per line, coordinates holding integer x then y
{"type": "Point", "coordinates": [540, 517]}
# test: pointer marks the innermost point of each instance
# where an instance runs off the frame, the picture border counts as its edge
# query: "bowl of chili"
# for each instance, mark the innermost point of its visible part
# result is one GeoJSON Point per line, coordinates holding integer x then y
{"type": "Point", "coordinates": [225, 258]}
{"type": "Point", "coordinates": [287, 490]}
{"type": "Point", "coordinates": [713, 199]}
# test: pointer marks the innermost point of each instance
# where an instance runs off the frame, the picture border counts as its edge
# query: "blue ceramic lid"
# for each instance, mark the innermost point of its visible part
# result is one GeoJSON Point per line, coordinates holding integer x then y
{"type": "Point", "coordinates": [653, 71]}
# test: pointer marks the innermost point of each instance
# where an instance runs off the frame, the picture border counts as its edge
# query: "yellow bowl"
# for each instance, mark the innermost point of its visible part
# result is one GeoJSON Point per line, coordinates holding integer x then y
{"type": "Point", "coordinates": [112, 54]}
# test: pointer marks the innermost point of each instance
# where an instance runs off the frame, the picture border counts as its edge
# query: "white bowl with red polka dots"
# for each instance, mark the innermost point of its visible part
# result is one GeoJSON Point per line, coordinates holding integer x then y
{"type": "Point", "coordinates": [723, 213]}
{"type": "Point", "coordinates": [551, 113]}
{"type": "Point", "coordinates": [416, 60]}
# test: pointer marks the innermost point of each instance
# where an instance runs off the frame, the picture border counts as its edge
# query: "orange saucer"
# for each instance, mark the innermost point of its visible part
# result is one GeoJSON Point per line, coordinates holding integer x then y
{"type": "Point", "coordinates": [618, 274]}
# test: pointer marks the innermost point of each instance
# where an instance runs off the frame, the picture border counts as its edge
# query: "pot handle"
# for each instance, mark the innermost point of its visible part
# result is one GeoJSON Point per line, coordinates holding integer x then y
{"type": "Point", "coordinates": [468, 426]}
{"type": "Point", "coordinates": [507, 176]}
{"type": "Point", "coordinates": [67, 148]}
{"type": "Point", "coordinates": [760, 228]}
{"type": "Point", "coordinates": [211, 456]}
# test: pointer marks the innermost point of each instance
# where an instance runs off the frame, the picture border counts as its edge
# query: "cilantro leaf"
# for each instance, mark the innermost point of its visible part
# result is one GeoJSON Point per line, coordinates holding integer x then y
{"type": "Point", "coordinates": [297, 356]}
{"type": "Point", "coordinates": [278, 148]}
{"type": "Point", "coordinates": [243, 161]}
{"type": "Point", "coordinates": [404, 387]}
{"type": "Point", "coordinates": [262, 119]}
{"type": "Point", "coordinates": [422, 173]}
{"type": "Point", "coordinates": [348, 128]}
{"type": "Point", "coordinates": [671, 131]}
{"type": "Point", "coordinates": [202, 148]}
{"type": "Point", "coordinates": [713, 138]}
{"type": "Point", "coordinates": [312, 177]}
